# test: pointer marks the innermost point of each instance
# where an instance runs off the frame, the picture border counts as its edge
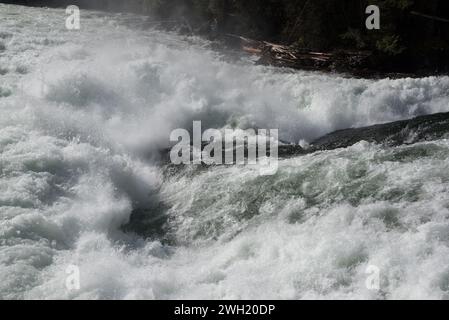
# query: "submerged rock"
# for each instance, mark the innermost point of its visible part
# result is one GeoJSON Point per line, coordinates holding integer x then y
{"type": "Point", "coordinates": [422, 128]}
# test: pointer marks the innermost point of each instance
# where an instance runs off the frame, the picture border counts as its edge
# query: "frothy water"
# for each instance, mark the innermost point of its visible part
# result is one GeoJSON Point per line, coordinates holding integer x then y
{"type": "Point", "coordinates": [84, 113]}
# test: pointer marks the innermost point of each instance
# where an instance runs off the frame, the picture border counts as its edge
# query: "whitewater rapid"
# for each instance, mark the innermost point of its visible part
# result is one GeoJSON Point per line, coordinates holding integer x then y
{"type": "Point", "coordinates": [84, 113]}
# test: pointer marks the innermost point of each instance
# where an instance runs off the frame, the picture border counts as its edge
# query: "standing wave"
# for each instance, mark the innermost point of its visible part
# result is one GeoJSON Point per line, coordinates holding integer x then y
{"type": "Point", "coordinates": [83, 115]}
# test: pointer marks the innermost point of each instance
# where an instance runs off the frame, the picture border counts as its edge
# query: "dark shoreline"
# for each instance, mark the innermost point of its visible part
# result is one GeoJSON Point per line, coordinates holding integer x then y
{"type": "Point", "coordinates": [345, 60]}
{"type": "Point", "coordinates": [341, 62]}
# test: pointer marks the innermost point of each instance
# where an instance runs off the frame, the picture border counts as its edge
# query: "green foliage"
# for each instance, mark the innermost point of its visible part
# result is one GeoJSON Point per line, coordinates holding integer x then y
{"type": "Point", "coordinates": [390, 44]}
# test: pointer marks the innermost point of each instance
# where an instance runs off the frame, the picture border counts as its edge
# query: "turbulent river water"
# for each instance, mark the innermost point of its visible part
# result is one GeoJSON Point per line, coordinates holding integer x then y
{"type": "Point", "coordinates": [83, 113]}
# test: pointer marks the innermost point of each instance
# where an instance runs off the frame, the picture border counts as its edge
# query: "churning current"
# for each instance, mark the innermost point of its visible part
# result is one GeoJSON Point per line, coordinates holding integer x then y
{"type": "Point", "coordinates": [84, 113]}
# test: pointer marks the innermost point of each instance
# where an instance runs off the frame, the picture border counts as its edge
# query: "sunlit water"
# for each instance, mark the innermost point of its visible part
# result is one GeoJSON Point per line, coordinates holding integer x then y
{"type": "Point", "coordinates": [83, 113]}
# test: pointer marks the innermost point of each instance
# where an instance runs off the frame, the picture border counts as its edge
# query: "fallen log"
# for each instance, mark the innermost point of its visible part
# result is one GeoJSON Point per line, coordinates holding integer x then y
{"type": "Point", "coordinates": [428, 16]}
{"type": "Point", "coordinates": [301, 58]}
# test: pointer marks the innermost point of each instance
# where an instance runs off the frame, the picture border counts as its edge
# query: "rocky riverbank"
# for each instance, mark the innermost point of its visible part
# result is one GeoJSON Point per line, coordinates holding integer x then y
{"type": "Point", "coordinates": [325, 35]}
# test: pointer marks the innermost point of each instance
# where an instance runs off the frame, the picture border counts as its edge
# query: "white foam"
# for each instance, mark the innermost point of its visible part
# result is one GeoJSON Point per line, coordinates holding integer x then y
{"type": "Point", "coordinates": [89, 109]}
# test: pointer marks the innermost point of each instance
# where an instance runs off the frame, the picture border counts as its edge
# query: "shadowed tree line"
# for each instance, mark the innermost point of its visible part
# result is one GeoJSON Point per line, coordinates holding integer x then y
{"type": "Point", "coordinates": [414, 34]}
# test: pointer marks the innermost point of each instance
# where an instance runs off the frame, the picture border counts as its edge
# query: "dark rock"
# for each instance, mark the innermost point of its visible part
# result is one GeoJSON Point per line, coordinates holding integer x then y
{"type": "Point", "coordinates": [422, 128]}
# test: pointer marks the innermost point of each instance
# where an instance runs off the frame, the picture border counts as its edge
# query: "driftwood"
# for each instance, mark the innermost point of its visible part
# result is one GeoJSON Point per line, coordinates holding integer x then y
{"type": "Point", "coordinates": [301, 58]}
{"type": "Point", "coordinates": [427, 16]}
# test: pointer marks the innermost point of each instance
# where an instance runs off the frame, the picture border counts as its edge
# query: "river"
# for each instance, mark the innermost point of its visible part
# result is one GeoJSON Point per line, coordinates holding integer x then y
{"type": "Point", "coordinates": [84, 113]}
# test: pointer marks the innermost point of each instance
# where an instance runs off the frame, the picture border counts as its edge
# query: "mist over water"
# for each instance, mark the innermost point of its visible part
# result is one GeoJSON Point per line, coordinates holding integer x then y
{"type": "Point", "coordinates": [84, 113]}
